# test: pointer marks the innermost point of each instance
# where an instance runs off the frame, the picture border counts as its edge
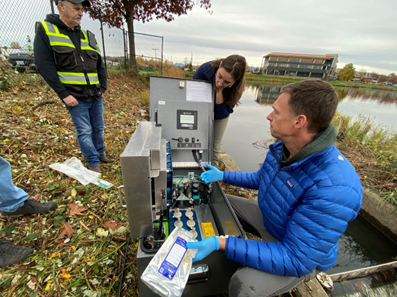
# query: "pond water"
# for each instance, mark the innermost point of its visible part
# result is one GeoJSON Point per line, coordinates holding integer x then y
{"type": "Point", "coordinates": [248, 124]}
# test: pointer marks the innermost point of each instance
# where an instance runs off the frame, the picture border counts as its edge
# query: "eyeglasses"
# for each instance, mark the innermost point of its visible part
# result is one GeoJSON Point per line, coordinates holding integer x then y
{"type": "Point", "coordinates": [220, 79]}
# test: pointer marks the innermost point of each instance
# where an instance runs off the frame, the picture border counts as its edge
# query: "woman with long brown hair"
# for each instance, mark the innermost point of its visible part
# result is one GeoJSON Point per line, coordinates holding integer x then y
{"type": "Point", "coordinates": [227, 78]}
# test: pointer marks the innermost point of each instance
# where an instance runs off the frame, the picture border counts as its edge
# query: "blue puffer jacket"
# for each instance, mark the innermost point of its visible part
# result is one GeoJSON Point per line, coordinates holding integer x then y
{"type": "Point", "coordinates": [306, 206]}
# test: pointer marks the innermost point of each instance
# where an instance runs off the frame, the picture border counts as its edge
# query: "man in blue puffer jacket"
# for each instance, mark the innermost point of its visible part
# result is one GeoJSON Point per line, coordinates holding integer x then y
{"type": "Point", "coordinates": [307, 193]}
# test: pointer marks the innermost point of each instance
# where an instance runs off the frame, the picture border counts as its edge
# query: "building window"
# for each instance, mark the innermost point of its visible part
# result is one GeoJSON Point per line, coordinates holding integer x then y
{"type": "Point", "coordinates": [306, 60]}
{"type": "Point", "coordinates": [318, 61]}
{"type": "Point", "coordinates": [273, 58]}
{"type": "Point", "coordinates": [294, 59]}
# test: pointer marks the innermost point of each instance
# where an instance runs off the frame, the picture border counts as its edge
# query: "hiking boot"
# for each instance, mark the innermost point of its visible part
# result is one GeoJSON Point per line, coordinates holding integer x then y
{"type": "Point", "coordinates": [105, 159]}
{"type": "Point", "coordinates": [12, 254]}
{"type": "Point", "coordinates": [95, 168]}
{"type": "Point", "coordinates": [31, 206]}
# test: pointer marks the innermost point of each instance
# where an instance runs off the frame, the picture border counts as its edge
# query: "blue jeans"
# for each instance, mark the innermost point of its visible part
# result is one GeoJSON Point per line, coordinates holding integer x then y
{"type": "Point", "coordinates": [11, 197]}
{"type": "Point", "coordinates": [88, 121]}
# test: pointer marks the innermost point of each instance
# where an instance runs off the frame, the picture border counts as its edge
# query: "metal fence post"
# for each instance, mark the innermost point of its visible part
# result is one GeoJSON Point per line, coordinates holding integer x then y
{"type": "Point", "coordinates": [103, 43]}
{"type": "Point", "coordinates": [52, 6]}
{"type": "Point", "coordinates": [162, 43]}
{"type": "Point", "coordinates": [125, 50]}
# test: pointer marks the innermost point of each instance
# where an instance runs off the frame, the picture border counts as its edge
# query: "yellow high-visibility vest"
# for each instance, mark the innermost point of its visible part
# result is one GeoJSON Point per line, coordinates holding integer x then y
{"type": "Point", "coordinates": [58, 39]}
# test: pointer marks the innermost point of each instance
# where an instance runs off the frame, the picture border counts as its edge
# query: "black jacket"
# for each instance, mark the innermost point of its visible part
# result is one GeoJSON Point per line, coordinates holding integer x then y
{"type": "Point", "coordinates": [45, 63]}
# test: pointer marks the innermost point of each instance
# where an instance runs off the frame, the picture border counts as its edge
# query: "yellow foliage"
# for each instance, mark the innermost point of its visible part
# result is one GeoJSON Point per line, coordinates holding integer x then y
{"type": "Point", "coordinates": [55, 255]}
{"type": "Point", "coordinates": [64, 274]}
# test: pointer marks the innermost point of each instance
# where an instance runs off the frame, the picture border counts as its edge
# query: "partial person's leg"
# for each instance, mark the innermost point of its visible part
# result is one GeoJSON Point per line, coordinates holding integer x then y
{"type": "Point", "coordinates": [249, 282]}
{"type": "Point", "coordinates": [250, 216]}
{"type": "Point", "coordinates": [11, 197]}
{"type": "Point", "coordinates": [98, 126]}
{"type": "Point", "coordinates": [13, 200]}
{"type": "Point", "coordinates": [81, 119]}
{"type": "Point", "coordinates": [219, 131]}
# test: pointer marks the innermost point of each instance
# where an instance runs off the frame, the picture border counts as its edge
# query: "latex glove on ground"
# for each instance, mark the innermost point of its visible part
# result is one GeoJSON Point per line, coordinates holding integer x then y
{"type": "Point", "coordinates": [204, 247]}
{"type": "Point", "coordinates": [212, 175]}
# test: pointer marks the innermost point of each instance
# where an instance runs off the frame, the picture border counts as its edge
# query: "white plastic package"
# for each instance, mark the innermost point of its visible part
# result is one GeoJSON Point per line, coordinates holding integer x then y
{"type": "Point", "coordinates": [75, 169]}
{"type": "Point", "coordinates": [168, 271]}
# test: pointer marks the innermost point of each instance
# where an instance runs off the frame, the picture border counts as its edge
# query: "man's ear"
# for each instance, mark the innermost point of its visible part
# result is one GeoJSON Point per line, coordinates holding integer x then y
{"type": "Point", "coordinates": [300, 121]}
{"type": "Point", "coordinates": [61, 5]}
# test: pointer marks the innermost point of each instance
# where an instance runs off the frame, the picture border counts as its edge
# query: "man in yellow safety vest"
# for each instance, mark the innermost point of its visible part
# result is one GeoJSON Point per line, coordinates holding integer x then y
{"type": "Point", "coordinates": [69, 60]}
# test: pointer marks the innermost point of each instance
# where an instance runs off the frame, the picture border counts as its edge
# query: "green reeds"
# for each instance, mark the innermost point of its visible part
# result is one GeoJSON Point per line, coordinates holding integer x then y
{"type": "Point", "coordinates": [372, 148]}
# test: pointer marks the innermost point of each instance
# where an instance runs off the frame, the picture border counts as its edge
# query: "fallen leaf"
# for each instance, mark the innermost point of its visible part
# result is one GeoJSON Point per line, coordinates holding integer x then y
{"type": "Point", "coordinates": [26, 266]}
{"type": "Point", "coordinates": [76, 209]}
{"type": "Point", "coordinates": [102, 233]}
{"type": "Point", "coordinates": [66, 231]}
{"type": "Point", "coordinates": [74, 192]}
{"type": "Point", "coordinates": [55, 255]}
{"type": "Point", "coordinates": [111, 225]}
{"type": "Point", "coordinates": [31, 285]}
{"type": "Point", "coordinates": [64, 274]}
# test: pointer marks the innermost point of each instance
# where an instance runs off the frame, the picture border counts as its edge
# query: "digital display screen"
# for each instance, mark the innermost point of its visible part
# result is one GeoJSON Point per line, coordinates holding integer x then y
{"type": "Point", "coordinates": [187, 119]}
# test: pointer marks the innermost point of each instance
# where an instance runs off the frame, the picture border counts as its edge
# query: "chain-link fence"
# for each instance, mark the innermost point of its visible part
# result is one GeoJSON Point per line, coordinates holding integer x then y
{"type": "Point", "coordinates": [17, 23]}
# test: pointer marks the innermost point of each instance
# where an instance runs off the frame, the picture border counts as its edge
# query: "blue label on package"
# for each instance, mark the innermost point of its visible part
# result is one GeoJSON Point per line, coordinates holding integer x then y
{"type": "Point", "coordinates": [174, 258]}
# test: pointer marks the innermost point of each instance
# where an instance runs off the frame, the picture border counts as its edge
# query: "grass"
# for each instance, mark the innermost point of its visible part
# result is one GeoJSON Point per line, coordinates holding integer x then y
{"type": "Point", "coordinates": [372, 149]}
{"type": "Point", "coordinates": [88, 262]}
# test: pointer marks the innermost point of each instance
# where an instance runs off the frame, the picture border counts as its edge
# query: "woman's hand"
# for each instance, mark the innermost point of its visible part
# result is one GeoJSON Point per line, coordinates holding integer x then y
{"type": "Point", "coordinates": [219, 96]}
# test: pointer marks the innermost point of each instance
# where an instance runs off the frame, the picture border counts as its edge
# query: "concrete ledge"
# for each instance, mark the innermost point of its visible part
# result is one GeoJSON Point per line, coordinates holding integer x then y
{"type": "Point", "coordinates": [380, 214]}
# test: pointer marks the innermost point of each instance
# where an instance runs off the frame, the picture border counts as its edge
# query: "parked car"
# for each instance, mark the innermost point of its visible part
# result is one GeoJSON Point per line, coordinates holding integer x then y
{"type": "Point", "coordinates": [21, 61]}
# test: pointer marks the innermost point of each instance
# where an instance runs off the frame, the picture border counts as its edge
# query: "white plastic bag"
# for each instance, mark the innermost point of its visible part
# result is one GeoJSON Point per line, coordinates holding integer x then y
{"type": "Point", "coordinates": [75, 169]}
{"type": "Point", "coordinates": [168, 271]}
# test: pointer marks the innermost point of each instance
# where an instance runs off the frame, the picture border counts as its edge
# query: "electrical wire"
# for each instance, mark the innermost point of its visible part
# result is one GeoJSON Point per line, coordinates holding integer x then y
{"type": "Point", "coordinates": [125, 259]}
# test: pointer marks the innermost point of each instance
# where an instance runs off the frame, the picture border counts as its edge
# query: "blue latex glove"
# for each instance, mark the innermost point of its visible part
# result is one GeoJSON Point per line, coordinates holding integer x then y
{"type": "Point", "coordinates": [204, 247]}
{"type": "Point", "coordinates": [213, 175]}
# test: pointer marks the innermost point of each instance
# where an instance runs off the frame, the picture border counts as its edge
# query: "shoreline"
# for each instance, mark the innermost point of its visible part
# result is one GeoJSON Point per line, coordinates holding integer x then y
{"type": "Point", "coordinates": [255, 78]}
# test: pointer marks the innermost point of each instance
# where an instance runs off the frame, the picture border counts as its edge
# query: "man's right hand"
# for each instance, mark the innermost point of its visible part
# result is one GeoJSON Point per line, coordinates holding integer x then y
{"type": "Point", "coordinates": [212, 175]}
{"type": "Point", "coordinates": [70, 101]}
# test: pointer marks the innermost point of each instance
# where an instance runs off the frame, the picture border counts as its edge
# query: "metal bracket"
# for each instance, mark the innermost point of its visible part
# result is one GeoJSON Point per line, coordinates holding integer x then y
{"type": "Point", "coordinates": [120, 198]}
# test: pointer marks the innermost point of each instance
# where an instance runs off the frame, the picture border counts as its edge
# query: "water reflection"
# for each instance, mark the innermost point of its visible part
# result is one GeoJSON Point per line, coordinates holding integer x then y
{"type": "Point", "coordinates": [267, 94]}
{"type": "Point", "coordinates": [381, 96]}
{"type": "Point", "coordinates": [380, 105]}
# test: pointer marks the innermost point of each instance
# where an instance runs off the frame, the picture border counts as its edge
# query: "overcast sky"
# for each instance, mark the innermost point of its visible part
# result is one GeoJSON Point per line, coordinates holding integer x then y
{"type": "Point", "coordinates": [360, 32]}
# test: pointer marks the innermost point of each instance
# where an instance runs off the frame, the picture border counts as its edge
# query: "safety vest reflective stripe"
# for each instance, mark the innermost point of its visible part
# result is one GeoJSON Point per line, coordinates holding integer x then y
{"type": "Point", "coordinates": [75, 78]}
{"type": "Point", "coordinates": [56, 38]}
{"type": "Point", "coordinates": [85, 45]}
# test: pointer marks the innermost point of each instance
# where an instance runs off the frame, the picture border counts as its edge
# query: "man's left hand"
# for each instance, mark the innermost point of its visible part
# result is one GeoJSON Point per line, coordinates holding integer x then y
{"type": "Point", "coordinates": [204, 247]}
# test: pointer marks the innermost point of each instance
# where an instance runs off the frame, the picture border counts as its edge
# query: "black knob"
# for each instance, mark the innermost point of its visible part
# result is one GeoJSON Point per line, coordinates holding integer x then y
{"type": "Point", "coordinates": [186, 139]}
{"type": "Point", "coordinates": [180, 139]}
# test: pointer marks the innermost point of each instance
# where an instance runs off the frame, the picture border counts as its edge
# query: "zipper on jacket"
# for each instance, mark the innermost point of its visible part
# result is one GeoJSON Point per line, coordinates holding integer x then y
{"type": "Point", "coordinates": [85, 71]}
